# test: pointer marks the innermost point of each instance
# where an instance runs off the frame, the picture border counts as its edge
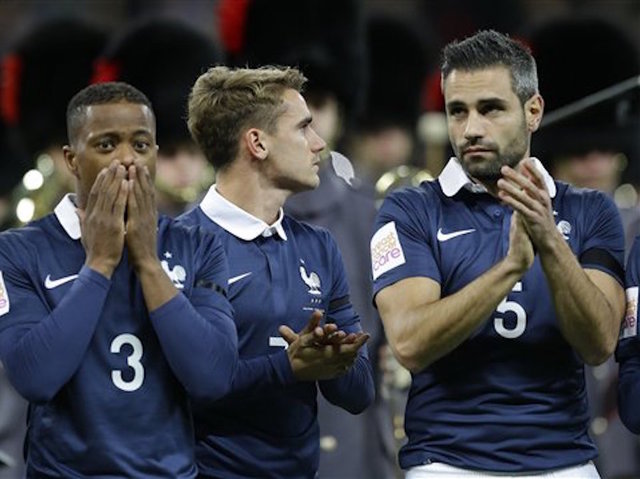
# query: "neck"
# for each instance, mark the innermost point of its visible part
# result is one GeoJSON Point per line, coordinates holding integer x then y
{"type": "Point", "coordinates": [251, 192]}
{"type": "Point", "coordinates": [491, 186]}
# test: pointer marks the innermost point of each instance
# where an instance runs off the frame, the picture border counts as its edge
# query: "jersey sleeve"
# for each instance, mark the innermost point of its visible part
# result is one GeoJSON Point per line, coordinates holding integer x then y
{"type": "Point", "coordinates": [264, 371]}
{"type": "Point", "coordinates": [197, 334]}
{"type": "Point", "coordinates": [603, 248]}
{"type": "Point", "coordinates": [254, 373]}
{"type": "Point", "coordinates": [42, 348]}
{"type": "Point", "coordinates": [400, 247]}
{"type": "Point", "coordinates": [353, 391]}
{"type": "Point", "coordinates": [628, 350]}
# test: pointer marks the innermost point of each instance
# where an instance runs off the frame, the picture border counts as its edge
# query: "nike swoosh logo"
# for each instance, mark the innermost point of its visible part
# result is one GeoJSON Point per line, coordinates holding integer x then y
{"type": "Point", "coordinates": [54, 283]}
{"type": "Point", "coordinates": [447, 236]}
{"type": "Point", "coordinates": [239, 277]}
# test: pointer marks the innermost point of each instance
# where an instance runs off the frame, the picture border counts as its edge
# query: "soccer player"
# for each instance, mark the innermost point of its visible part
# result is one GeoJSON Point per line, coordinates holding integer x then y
{"type": "Point", "coordinates": [255, 128]}
{"type": "Point", "coordinates": [110, 315]}
{"type": "Point", "coordinates": [628, 352]}
{"type": "Point", "coordinates": [496, 284]}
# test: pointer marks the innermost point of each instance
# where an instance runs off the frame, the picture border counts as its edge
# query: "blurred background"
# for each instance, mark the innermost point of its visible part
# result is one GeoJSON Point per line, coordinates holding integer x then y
{"type": "Point", "coordinates": [375, 95]}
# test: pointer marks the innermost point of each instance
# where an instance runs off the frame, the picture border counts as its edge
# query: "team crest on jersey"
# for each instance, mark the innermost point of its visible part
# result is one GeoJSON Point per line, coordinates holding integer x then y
{"type": "Point", "coordinates": [312, 280]}
{"type": "Point", "coordinates": [630, 324]}
{"type": "Point", "coordinates": [386, 250]}
{"type": "Point", "coordinates": [565, 228]}
{"type": "Point", "coordinates": [4, 297]}
{"type": "Point", "coordinates": [177, 274]}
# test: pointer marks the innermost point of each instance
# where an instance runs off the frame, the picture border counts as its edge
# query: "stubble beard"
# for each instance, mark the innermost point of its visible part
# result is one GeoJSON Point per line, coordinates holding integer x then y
{"type": "Point", "coordinates": [488, 171]}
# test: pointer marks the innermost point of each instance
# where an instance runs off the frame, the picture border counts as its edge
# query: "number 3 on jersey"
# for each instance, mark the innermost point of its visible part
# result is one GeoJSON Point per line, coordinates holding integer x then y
{"type": "Point", "coordinates": [506, 306]}
{"type": "Point", "coordinates": [133, 361]}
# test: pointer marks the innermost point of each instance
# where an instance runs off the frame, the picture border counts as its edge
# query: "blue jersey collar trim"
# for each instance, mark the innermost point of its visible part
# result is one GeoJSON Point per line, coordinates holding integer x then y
{"type": "Point", "coordinates": [237, 221]}
{"type": "Point", "coordinates": [65, 211]}
{"type": "Point", "coordinates": [453, 178]}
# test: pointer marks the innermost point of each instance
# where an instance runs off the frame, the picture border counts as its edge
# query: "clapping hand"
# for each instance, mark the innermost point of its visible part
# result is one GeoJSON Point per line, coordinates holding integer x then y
{"type": "Point", "coordinates": [321, 352]}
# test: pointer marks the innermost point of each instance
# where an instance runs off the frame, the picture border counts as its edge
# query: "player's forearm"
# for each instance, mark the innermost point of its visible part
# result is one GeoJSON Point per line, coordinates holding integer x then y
{"type": "Point", "coordinates": [629, 393]}
{"type": "Point", "coordinates": [200, 346]}
{"type": "Point", "coordinates": [589, 321]}
{"type": "Point", "coordinates": [353, 391]}
{"type": "Point", "coordinates": [43, 359]}
{"type": "Point", "coordinates": [423, 334]}
{"type": "Point", "coordinates": [267, 371]}
{"type": "Point", "coordinates": [157, 288]}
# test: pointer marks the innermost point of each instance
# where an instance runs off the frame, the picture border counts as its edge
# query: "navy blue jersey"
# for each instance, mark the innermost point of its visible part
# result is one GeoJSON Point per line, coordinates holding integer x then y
{"type": "Point", "coordinates": [279, 274]}
{"type": "Point", "coordinates": [512, 396]}
{"type": "Point", "coordinates": [628, 350]}
{"type": "Point", "coordinates": [107, 381]}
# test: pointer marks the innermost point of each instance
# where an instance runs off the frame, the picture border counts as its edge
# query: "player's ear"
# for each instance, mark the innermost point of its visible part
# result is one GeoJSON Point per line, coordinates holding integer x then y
{"type": "Point", "coordinates": [71, 159]}
{"type": "Point", "coordinates": [256, 142]}
{"type": "Point", "coordinates": [533, 110]}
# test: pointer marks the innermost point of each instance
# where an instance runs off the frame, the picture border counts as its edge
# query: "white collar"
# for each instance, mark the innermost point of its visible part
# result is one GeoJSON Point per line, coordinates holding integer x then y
{"type": "Point", "coordinates": [237, 221]}
{"type": "Point", "coordinates": [65, 211]}
{"type": "Point", "coordinates": [453, 178]}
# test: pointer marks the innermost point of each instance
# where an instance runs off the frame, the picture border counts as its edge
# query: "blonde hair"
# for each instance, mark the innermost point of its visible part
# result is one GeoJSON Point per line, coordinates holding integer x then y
{"type": "Point", "coordinates": [224, 101]}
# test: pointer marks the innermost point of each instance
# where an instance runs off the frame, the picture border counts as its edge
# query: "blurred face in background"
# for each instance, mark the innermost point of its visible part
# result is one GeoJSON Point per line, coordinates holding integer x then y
{"type": "Point", "coordinates": [599, 170]}
{"type": "Point", "coordinates": [182, 175]}
{"type": "Point", "coordinates": [327, 121]}
{"type": "Point", "coordinates": [180, 166]}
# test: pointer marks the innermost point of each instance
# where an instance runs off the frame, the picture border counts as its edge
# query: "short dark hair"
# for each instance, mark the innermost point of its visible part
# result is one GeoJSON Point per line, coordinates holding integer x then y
{"type": "Point", "coordinates": [488, 48]}
{"type": "Point", "coordinates": [100, 94]}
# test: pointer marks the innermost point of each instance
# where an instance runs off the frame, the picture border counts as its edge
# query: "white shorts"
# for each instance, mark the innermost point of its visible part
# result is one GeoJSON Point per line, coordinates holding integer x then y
{"type": "Point", "coordinates": [438, 470]}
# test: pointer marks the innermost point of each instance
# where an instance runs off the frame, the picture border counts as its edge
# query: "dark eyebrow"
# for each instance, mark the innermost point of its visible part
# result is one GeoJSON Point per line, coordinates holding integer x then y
{"type": "Point", "coordinates": [455, 104]}
{"type": "Point", "coordinates": [481, 103]}
{"type": "Point", "coordinates": [305, 121]}
{"type": "Point", "coordinates": [492, 101]}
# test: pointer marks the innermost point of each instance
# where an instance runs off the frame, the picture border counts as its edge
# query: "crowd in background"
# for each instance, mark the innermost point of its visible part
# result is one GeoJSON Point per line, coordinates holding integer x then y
{"type": "Point", "coordinates": [374, 92]}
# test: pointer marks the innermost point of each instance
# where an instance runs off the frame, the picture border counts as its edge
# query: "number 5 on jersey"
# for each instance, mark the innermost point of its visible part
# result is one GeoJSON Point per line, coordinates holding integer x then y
{"type": "Point", "coordinates": [133, 361]}
{"type": "Point", "coordinates": [506, 306]}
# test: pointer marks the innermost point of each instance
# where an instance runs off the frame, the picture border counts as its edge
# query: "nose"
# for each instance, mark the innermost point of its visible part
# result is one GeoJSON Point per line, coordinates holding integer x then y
{"type": "Point", "coordinates": [474, 128]}
{"type": "Point", "coordinates": [316, 142]}
{"type": "Point", "coordinates": [126, 154]}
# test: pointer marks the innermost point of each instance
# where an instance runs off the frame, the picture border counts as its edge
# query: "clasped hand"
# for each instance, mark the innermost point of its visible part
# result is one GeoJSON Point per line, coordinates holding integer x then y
{"type": "Point", "coordinates": [321, 352]}
{"type": "Point", "coordinates": [120, 208]}
{"type": "Point", "coordinates": [525, 191]}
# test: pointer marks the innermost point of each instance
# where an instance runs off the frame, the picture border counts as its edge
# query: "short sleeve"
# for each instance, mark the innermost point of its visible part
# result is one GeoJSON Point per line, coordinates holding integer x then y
{"type": "Point", "coordinates": [603, 247]}
{"type": "Point", "coordinates": [401, 246]}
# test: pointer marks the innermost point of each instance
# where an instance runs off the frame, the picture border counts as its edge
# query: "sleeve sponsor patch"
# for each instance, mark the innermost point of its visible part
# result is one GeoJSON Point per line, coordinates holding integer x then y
{"type": "Point", "coordinates": [630, 323]}
{"type": "Point", "coordinates": [386, 250]}
{"type": "Point", "coordinates": [4, 297]}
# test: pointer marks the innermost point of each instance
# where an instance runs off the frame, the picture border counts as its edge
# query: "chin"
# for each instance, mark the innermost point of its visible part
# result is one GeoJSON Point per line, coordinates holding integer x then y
{"type": "Point", "coordinates": [484, 172]}
{"type": "Point", "coordinates": [312, 183]}
{"type": "Point", "coordinates": [301, 186]}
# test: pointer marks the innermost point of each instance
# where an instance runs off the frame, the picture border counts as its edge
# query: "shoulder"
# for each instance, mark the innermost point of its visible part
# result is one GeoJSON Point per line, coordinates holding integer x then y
{"type": "Point", "coordinates": [195, 218]}
{"type": "Point", "coordinates": [192, 233]}
{"type": "Point", "coordinates": [308, 236]}
{"type": "Point", "coordinates": [22, 248]}
{"type": "Point", "coordinates": [426, 191]}
{"type": "Point", "coordinates": [585, 197]}
{"type": "Point", "coordinates": [414, 198]}
{"type": "Point", "coordinates": [304, 231]}
{"type": "Point", "coordinates": [414, 207]}
{"type": "Point", "coordinates": [32, 236]}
